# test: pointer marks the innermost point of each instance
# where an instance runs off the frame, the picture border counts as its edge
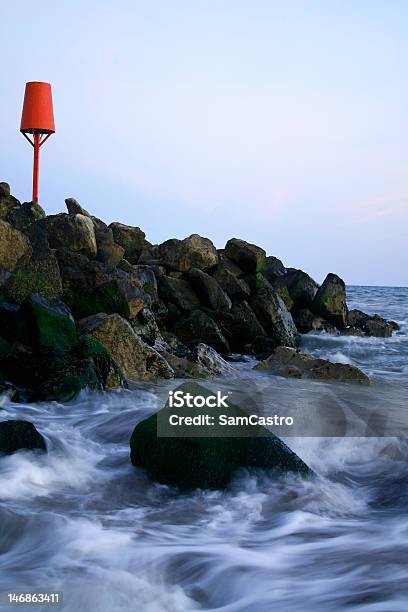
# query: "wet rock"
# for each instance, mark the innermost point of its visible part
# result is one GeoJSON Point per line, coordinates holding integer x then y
{"type": "Point", "coordinates": [199, 327]}
{"type": "Point", "coordinates": [211, 361]}
{"type": "Point", "coordinates": [136, 360]}
{"type": "Point", "coordinates": [370, 325]}
{"type": "Point", "coordinates": [274, 317]}
{"type": "Point", "coordinates": [131, 239]}
{"type": "Point", "coordinates": [288, 362]}
{"type": "Point", "coordinates": [183, 367]}
{"type": "Point", "coordinates": [146, 327]}
{"type": "Point", "coordinates": [330, 301]}
{"type": "Point", "coordinates": [306, 321]}
{"type": "Point", "coordinates": [73, 232]}
{"type": "Point", "coordinates": [18, 435]}
{"type": "Point", "coordinates": [50, 324]}
{"type": "Point", "coordinates": [178, 292]}
{"type": "Point", "coordinates": [207, 462]}
{"type": "Point", "coordinates": [192, 252]}
{"type": "Point", "coordinates": [261, 346]}
{"type": "Point", "coordinates": [13, 246]}
{"type": "Point", "coordinates": [209, 290]}
{"type": "Point", "coordinates": [248, 257]}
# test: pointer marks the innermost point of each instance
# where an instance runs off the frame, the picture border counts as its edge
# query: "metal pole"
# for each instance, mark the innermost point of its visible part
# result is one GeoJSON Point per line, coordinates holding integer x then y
{"type": "Point", "coordinates": [36, 166]}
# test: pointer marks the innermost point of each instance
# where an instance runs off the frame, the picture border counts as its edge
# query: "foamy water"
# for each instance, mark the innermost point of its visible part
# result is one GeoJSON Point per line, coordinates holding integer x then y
{"type": "Point", "coordinates": [83, 521]}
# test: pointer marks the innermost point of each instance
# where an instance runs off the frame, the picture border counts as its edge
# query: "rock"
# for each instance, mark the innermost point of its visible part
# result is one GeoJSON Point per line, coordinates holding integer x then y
{"type": "Point", "coordinates": [36, 272]}
{"type": "Point", "coordinates": [13, 327]}
{"type": "Point", "coordinates": [370, 325]}
{"type": "Point", "coordinates": [23, 216]}
{"type": "Point", "coordinates": [73, 232]}
{"type": "Point", "coordinates": [248, 257]}
{"type": "Point", "coordinates": [286, 361]}
{"type": "Point", "coordinates": [206, 357]}
{"type": "Point", "coordinates": [240, 326]}
{"type": "Point", "coordinates": [147, 279]}
{"type": "Point", "coordinates": [50, 322]}
{"type": "Point", "coordinates": [306, 321]}
{"type": "Point", "coordinates": [395, 326]}
{"type": "Point", "coordinates": [274, 268]}
{"type": "Point", "coordinates": [330, 301]}
{"type": "Point", "coordinates": [184, 368]}
{"type": "Point", "coordinates": [199, 327]}
{"type": "Point", "coordinates": [178, 292]}
{"type": "Point", "coordinates": [109, 252]}
{"type": "Point", "coordinates": [274, 317]}
{"type": "Point", "coordinates": [13, 246]}
{"type": "Point", "coordinates": [300, 286]}
{"type": "Point", "coordinates": [206, 462]}
{"type": "Point", "coordinates": [261, 346]}
{"type": "Point", "coordinates": [74, 208]}
{"type": "Point", "coordinates": [136, 360]}
{"type": "Point", "coordinates": [4, 190]}
{"type": "Point", "coordinates": [227, 276]}
{"type": "Point", "coordinates": [42, 374]}
{"type": "Point", "coordinates": [7, 205]}
{"type": "Point", "coordinates": [18, 435]}
{"type": "Point", "coordinates": [209, 290]}
{"type": "Point", "coordinates": [192, 252]}
{"type": "Point", "coordinates": [131, 239]}
{"type": "Point", "coordinates": [146, 327]}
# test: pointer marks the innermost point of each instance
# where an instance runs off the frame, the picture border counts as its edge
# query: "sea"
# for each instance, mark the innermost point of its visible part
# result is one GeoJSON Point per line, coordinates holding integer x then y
{"type": "Point", "coordinates": [82, 522]}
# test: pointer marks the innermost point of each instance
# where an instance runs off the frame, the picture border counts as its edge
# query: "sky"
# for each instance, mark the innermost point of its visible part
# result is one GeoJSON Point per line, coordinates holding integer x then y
{"type": "Point", "coordinates": [284, 123]}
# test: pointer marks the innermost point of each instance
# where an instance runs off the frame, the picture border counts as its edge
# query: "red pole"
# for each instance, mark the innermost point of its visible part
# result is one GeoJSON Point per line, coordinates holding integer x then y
{"type": "Point", "coordinates": [36, 166]}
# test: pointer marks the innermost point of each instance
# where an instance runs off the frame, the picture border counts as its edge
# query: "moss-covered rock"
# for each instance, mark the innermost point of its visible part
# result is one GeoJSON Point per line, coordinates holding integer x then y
{"type": "Point", "coordinates": [17, 435]}
{"type": "Point", "coordinates": [248, 257]}
{"type": "Point", "coordinates": [206, 462]}
{"type": "Point", "coordinates": [51, 324]}
{"type": "Point", "coordinates": [330, 301]}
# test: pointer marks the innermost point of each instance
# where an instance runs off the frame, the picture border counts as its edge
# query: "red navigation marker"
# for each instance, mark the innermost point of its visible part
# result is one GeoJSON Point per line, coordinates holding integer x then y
{"type": "Point", "coordinates": [37, 120]}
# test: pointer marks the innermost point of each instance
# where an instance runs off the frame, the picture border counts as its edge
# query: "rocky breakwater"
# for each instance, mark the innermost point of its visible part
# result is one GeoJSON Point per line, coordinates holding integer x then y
{"type": "Point", "coordinates": [86, 304]}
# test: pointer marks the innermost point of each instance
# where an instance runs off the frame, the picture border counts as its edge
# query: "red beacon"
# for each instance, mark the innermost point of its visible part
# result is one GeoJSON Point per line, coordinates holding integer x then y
{"type": "Point", "coordinates": [37, 120]}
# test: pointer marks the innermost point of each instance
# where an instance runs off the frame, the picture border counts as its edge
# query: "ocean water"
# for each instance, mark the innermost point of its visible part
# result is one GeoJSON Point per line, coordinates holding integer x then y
{"type": "Point", "coordinates": [83, 521]}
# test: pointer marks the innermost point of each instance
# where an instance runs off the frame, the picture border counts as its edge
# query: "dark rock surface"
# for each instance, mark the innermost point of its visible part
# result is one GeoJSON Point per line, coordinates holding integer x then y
{"type": "Point", "coordinates": [18, 435]}
{"type": "Point", "coordinates": [207, 462]}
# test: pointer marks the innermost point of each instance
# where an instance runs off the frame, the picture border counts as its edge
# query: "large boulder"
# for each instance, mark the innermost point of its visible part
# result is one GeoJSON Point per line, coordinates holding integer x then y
{"type": "Point", "coordinates": [13, 246]}
{"type": "Point", "coordinates": [190, 462]}
{"type": "Point", "coordinates": [248, 257]}
{"type": "Point", "coordinates": [274, 268]}
{"type": "Point", "coordinates": [199, 327]}
{"type": "Point", "coordinates": [131, 239]}
{"type": "Point", "coordinates": [18, 435]}
{"type": "Point", "coordinates": [192, 252]}
{"type": "Point", "coordinates": [288, 362]}
{"type": "Point", "coordinates": [73, 232]}
{"type": "Point", "coordinates": [136, 360]}
{"type": "Point", "coordinates": [4, 190]}
{"type": "Point", "coordinates": [330, 301]}
{"type": "Point", "coordinates": [274, 316]}
{"type": "Point", "coordinates": [209, 290]}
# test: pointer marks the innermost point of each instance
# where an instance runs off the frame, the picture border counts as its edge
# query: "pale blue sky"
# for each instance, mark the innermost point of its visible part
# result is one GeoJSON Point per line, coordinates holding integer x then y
{"type": "Point", "coordinates": [284, 123]}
